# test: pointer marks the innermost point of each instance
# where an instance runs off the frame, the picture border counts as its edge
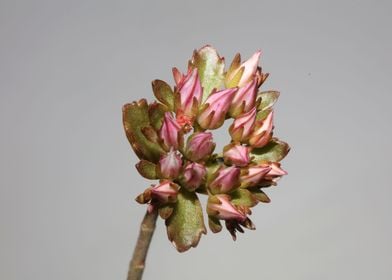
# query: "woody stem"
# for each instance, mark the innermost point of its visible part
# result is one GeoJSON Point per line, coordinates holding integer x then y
{"type": "Point", "coordinates": [138, 262]}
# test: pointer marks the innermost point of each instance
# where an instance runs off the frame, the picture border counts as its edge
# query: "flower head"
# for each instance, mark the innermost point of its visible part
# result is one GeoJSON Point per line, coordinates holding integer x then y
{"type": "Point", "coordinates": [202, 99]}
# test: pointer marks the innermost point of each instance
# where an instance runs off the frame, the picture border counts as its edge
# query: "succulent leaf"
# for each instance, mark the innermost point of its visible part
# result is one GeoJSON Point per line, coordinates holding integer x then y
{"type": "Point", "coordinates": [135, 119]}
{"type": "Point", "coordinates": [186, 225]}
{"type": "Point", "coordinates": [274, 151]}
{"type": "Point", "coordinates": [211, 69]}
{"type": "Point", "coordinates": [164, 93]}
{"type": "Point", "coordinates": [147, 169]}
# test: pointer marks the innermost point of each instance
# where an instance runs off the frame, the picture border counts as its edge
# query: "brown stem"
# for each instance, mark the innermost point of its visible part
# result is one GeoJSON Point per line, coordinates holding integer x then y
{"type": "Point", "coordinates": [138, 262]}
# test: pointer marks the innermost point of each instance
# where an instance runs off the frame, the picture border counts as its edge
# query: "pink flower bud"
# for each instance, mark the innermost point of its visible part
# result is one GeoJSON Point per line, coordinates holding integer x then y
{"type": "Point", "coordinates": [193, 176]}
{"type": "Point", "coordinates": [226, 180]}
{"type": "Point", "coordinates": [276, 170]}
{"type": "Point", "coordinates": [223, 209]}
{"type": "Point", "coordinates": [242, 127]}
{"type": "Point", "coordinates": [244, 100]}
{"type": "Point", "coordinates": [190, 92]}
{"type": "Point", "coordinates": [254, 175]}
{"type": "Point", "coordinates": [199, 146]}
{"type": "Point", "coordinates": [165, 192]}
{"type": "Point", "coordinates": [250, 69]}
{"type": "Point", "coordinates": [170, 165]}
{"type": "Point", "coordinates": [169, 132]}
{"type": "Point", "coordinates": [213, 114]}
{"type": "Point", "coordinates": [236, 154]}
{"type": "Point", "coordinates": [263, 132]}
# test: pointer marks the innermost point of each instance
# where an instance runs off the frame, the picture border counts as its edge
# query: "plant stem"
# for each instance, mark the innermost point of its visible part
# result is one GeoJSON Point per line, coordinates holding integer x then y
{"type": "Point", "coordinates": [138, 262]}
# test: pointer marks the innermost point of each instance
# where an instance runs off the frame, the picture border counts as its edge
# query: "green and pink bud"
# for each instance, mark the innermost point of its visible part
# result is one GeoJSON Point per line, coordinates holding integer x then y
{"type": "Point", "coordinates": [193, 176]}
{"type": "Point", "coordinates": [189, 96]}
{"type": "Point", "coordinates": [214, 110]}
{"type": "Point", "coordinates": [242, 126]}
{"type": "Point", "coordinates": [220, 206]}
{"type": "Point", "coordinates": [236, 154]}
{"type": "Point", "coordinates": [263, 132]}
{"type": "Point", "coordinates": [170, 165]}
{"type": "Point", "coordinates": [244, 100]}
{"type": "Point", "coordinates": [276, 170]}
{"type": "Point", "coordinates": [164, 192]}
{"type": "Point", "coordinates": [170, 132]}
{"type": "Point", "coordinates": [254, 175]}
{"type": "Point", "coordinates": [199, 146]}
{"type": "Point", "coordinates": [226, 179]}
{"type": "Point", "coordinates": [249, 70]}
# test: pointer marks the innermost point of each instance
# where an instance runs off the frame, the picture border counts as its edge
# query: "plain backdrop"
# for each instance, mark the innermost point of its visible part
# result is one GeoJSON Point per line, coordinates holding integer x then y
{"type": "Point", "coordinates": [68, 180]}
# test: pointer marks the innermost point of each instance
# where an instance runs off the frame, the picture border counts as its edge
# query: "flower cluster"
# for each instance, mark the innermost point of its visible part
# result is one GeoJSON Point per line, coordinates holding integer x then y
{"type": "Point", "coordinates": [172, 139]}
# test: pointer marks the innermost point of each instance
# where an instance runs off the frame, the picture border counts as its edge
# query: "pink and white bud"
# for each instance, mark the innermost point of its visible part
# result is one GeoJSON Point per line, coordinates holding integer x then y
{"type": "Point", "coordinates": [226, 180]}
{"type": "Point", "coordinates": [165, 192]}
{"type": "Point", "coordinates": [249, 69]}
{"type": "Point", "coordinates": [217, 106]}
{"type": "Point", "coordinates": [170, 165]}
{"type": "Point", "coordinates": [254, 175]}
{"type": "Point", "coordinates": [276, 170]}
{"type": "Point", "coordinates": [242, 127]}
{"type": "Point", "coordinates": [189, 97]}
{"type": "Point", "coordinates": [193, 176]}
{"type": "Point", "coordinates": [199, 146]}
{"type": "Point", "coordinates": [223, 209]}
{"type": "Point", "coordinates": [244, 100]}
{"type": "Point", "coordinates": [236, 154]}
{"type": "Point", "coordinates": [263, 132]}
{"type": "Point", "coordinates": [170, 132]}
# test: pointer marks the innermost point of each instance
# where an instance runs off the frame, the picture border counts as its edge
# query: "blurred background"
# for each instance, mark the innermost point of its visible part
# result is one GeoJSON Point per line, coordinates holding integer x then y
{"type": "Point", "coordinates": [68, 182]}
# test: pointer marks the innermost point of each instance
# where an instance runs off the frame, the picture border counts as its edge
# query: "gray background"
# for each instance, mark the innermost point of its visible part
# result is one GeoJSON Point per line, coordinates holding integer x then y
{"type": "Point", "coordinates": [67, 176]}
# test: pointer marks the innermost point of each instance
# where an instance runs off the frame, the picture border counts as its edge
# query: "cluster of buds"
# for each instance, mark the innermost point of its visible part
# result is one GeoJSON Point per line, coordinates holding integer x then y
{"type": "Point", "coordinates": [172, 140]}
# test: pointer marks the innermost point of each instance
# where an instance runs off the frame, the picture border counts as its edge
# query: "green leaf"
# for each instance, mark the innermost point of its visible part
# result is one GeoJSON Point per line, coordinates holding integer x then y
{"type": "Point", "coordinates": [243, 197]}
{"type": "Point", "coordinates": [156, 112]}
{"type": "Point", "coordinates": [147, 169]}
{"type": "Point", "coordinates": [163, 93]}
{"type": "Point", "coordinates": [274, 151]}
{"type": "Point", "coordinates": [268, 99]}
{"type": "Point", "coordinates": [136, 121]}
{"type": "Point", "coordinates": [262, 115]}
{"type": "Point", "coordinates": [186, 224]}
{"type": "Point", "coordinates": [210, 67]}
{"type": "Point", "coordinates": [260, 195]}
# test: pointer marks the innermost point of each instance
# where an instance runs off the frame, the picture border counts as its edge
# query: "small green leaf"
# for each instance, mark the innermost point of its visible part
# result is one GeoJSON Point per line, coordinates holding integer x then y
{"type": "Point", "coordinates": [243, 197]}
{"type": "Point", "coordinates": [261, 115]}
{"type": "Point", "coordinates": [156, 112]}
{"type": "Point", "coordinates": [136, 120]}
{"type": "Point", "coordinates": [185, 225]}
{"type": "Point", "coordinates": [268, 99]}
{"type": "Point", "coordinates": [163, 93]}
{"type": "Point", "coordinates": [147, 169]}
{"type": "Point", "coordinates": [210, 67]}
{"type": "Point", "coordinates": [274, 151]}
{"type": "Point", "coordinates": [259, 195]}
